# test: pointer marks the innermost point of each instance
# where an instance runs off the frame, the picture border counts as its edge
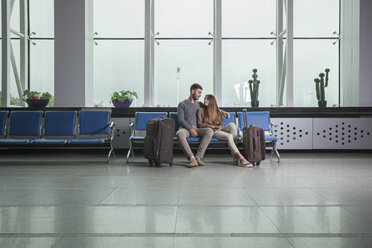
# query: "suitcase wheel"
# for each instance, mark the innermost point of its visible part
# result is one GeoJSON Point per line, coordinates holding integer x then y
{"type": "Point", "coordinates": [151, 162]}
{"type": "Point", "coordinates": [258, 164]}
{"type": "Point", "coordinates": [170, 164]}
{"type": "Point", "coordinates": [157, 163]}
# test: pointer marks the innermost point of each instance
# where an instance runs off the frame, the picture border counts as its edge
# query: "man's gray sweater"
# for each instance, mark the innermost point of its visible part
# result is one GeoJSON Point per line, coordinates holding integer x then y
{"type": "Point", "coordinates": [187, 114]}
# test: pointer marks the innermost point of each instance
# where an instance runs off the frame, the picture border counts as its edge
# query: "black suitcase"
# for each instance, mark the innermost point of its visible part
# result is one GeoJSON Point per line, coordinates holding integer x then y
{"type": "Point", "coordinates": [254, 145]}
{"type": "Point", "coordinates": [159, 141]}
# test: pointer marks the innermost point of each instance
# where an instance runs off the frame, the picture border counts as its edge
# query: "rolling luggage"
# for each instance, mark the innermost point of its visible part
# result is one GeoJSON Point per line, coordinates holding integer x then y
{"type": "Point", "coordinates": [254, 145]}
{"type": "Point", "coordinates": [159, 141]}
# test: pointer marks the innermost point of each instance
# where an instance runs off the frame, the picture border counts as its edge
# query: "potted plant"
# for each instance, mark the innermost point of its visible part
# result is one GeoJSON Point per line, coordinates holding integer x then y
{"type": "Point", "coordinates": [123, 99]}
{"type": "Point", "coordinates": [254, 86]}
{"type": "Point", "coordinates": [320, 85]}
{"type": "Point", "coordinates": [36, 99]}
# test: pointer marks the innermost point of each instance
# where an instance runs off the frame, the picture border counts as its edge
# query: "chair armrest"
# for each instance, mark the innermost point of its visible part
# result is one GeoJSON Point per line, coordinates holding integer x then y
{"type": "Point", "coordinates": [131, 129]}
{"type": "Point", "coordinates": [273, 124]}
{"type": "Point", "coordinates": [112, 130]}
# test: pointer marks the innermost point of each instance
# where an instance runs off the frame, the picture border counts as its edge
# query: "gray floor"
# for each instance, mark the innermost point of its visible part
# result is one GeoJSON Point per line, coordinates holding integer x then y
{"type": "Point", "coordinates": [76, 200]}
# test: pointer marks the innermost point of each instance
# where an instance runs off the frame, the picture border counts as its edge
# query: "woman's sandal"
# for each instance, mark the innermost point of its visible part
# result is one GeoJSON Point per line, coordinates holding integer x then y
{"type": "Point", "coordinates": [242, 162]}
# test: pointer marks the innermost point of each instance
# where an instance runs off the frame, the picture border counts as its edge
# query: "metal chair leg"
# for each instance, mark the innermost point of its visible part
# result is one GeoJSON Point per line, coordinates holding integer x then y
{"type": "Point", "coordinates": [130, 152]}
{"type": "Point", "coordinates": [271, 153]}
{"type": "Point", "coordinates": [109, 154]}
{"type": "Point", "coordinates": [276, 151]}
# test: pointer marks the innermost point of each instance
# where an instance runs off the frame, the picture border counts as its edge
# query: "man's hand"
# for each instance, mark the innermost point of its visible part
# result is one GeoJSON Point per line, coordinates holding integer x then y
{"type": "Point", "coordinates": [193, 133]}
{"type": "Point", "coordinates": [218, 129]}
{"type": "Point", "coordinates": [227, 115]}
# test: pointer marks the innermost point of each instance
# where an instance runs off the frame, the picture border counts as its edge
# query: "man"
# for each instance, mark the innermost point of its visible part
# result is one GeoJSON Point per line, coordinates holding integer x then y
{"type": "Point", "coordinates": [187, 117]}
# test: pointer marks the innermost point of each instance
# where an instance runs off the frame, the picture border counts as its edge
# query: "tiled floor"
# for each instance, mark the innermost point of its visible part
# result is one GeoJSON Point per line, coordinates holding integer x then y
{"type": "Point", "coordinates": [77, 200]}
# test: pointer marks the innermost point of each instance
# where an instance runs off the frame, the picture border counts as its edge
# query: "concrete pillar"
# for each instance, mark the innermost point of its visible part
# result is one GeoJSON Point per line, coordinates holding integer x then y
{"type": "Point", "coordinates": [5, 59]}
{"type": "Point", "coordinates": [73, 53]}
{"type": "Point", "coordinates": [365, 85]}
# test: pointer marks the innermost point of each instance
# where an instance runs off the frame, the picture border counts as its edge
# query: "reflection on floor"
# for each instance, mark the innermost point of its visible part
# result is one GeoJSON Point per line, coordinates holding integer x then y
{"type": "Point", "coordinates": [77, 200]}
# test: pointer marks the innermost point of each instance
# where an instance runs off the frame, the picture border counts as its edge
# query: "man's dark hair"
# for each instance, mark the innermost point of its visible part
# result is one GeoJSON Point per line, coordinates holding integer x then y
{"type": "Point", "coordinates": [195, 87]}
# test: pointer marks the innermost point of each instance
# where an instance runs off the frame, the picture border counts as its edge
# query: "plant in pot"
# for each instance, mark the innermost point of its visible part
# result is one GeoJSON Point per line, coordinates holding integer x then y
{"type": "Point", "coordinates": [254, 86]}
{"type": "Point", "coordinates": [123, 99]}
{"type": "Point", "coordinates": [320, 84]}
{"type": "Point", "coordinates": [35, 99]}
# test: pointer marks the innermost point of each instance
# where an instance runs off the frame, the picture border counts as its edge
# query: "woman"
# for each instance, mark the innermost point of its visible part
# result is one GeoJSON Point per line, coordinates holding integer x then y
{"type": "Point", "coordinates": [211, 116]}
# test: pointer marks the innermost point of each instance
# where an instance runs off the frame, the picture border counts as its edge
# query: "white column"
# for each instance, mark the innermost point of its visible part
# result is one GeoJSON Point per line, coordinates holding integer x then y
{"type": "Point", "coordinates": [349, 53]}
{"type": "Point", "coordinates": [23, 44]}
{"type": "Point", "coordinates": [73, 85]}
{"type": "Point", "coordinates": [290, 53]}
{"type": "Point", "coordinates": [5, 65]}
{"type": "Point", "coordinates": [89, 54]}
{"type": "Point", "coordinates": [217, 46]}
{"type": "Point", "coordinates": [149, 54]}
{"type": "Point", "coordinates": [365, 85]}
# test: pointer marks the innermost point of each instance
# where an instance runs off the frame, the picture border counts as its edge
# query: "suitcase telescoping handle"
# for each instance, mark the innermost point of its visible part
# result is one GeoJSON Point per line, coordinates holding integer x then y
{"type": "Point", "coordinates": [245, 121]}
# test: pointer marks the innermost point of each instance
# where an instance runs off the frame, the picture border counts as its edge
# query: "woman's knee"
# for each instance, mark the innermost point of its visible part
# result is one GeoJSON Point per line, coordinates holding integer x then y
{"type": "Point", "coordinates": [209, 132]}
{"type": "Point", "coordinates": [230, 137]}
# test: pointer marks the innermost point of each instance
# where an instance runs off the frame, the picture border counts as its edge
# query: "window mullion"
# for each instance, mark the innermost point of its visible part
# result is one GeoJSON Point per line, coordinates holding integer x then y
{"type": "Point", "coordinates": [217, 53]}
{"type": "Point", "coordinates": [149, 54]}
{"type": "Point", "coordinates": [289, 53]}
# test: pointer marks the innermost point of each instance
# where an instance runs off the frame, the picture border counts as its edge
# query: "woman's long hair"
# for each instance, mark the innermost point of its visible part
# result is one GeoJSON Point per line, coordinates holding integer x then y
{"type": "Point", "coordinates": [212, 112]}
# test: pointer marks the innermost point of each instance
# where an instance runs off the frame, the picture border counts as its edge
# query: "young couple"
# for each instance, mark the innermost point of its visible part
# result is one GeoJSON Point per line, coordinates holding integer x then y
{"type": "Point", "coordinates": [205, 121]}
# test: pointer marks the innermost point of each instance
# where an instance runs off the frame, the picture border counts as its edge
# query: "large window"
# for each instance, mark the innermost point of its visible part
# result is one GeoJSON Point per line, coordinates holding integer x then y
{"type": "Point", "coordinates": [31, 49]}
{"type": "Point", "coordinates": [247, 31]}
{"type": "Point", "coordinates": [315, 48]}
{"type": "Point", "coordinates": [42, 47]}
{"type": "Point", "coordinates": [216, 44]}
{"type": "Point", "coordinates": [119, 50]}
{"type": "Point", "coordinates": [184, 55]}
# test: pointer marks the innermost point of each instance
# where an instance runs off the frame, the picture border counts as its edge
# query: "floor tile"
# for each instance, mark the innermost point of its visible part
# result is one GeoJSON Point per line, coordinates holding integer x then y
{"type": "Point", "coordinates": [287, 197]}
{"type": "Point", "coordinates": [143, 196]}
{"type": "Point", "coordinates": [223, 220]}
{"type": "Point", "coordinates": [231, 242]}
{"type": "Point", "coordinates": [317, 220]}
{"type": "Point", "coordinates": [27, 242]}
{"type": "Point", "coordinates": [116, 242]}
{"type": "Point", "coordinates": [52, 196]}
{"type": "Point", "coordinates": [345, 195]}
{"type": "Point", "coordinates": [321, 242]}
{"type": "Point", "coordinates": [41, 219]}
{"type": "Point", "coordinates": [215, 197]}
{"type": "Point", "coordinates": [129, 220]}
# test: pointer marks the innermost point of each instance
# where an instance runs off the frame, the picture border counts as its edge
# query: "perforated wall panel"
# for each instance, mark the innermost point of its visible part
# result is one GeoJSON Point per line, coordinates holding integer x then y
{"type": "Point", "coordinates": [293, 133]}
{"type": "Point", "coordinates": [342, 133]}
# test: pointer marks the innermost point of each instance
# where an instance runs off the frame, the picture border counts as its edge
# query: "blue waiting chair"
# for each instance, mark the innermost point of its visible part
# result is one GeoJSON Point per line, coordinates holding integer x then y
{"type": "Point", "coordinates": [262, 120]}
{"type": "Point", "coordinates": [138, 129]}
{"type": "Point", "coordinates": [174, 116]}
{"type": "Point", "coordinates": [59, 128]}
{"type": "Point", "coordinates": [19, 133]}
{"type": "Point", "coordinates": [95, 128]}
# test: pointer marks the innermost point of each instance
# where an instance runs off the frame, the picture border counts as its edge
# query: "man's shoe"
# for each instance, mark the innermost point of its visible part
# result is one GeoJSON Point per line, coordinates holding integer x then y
{"type": "Point", "coordinates": [200, 162]}
{"type": "Point", "coordinates": [192, 163]}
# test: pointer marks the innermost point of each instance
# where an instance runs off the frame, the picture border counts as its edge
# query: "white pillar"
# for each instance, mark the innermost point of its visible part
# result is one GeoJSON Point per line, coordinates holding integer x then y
{"type": "Point", "coordinates": [217, 47]}
{"type": "Point", "coordinates": [149, 53]}
{"type": "Point", "coordinates": [365, 85]}
{"type": "Point", "coordinates": [5, 65]}
{"type": "Point", "coordinates": [73, 81]}
{"type": "Point", "coordinates": [349, 53]}
{"type": "Point", "coordinates": [290, 53]}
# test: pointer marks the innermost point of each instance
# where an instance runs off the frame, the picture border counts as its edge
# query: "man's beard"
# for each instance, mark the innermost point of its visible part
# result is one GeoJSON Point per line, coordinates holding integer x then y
{"type": "Point", "coordinates": [194, 97]}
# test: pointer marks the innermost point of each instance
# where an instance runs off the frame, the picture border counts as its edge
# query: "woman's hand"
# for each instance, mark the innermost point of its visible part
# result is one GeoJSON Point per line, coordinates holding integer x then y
{"type": "Point", "coordinates": [217, 128]}
{"type": "Point", "coordinates": [226, 115]}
